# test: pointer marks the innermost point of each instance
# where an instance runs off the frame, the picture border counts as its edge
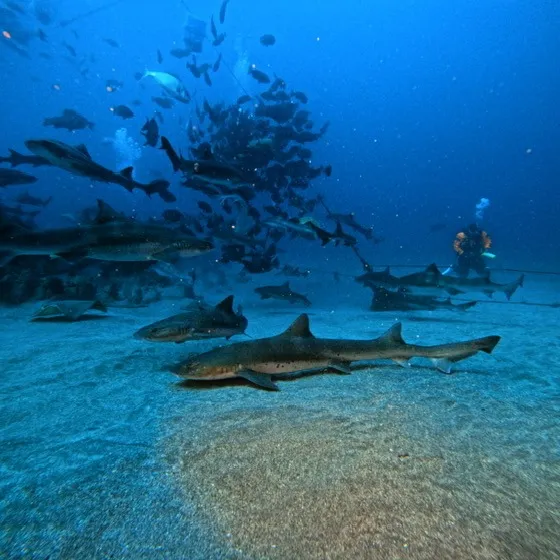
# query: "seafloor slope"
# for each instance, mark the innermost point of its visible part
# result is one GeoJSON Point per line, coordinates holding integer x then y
{"type": "Point", "coordinates": [105, 456]}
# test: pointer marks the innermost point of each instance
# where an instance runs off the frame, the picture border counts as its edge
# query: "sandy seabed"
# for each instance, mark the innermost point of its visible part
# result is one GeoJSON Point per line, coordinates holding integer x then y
{"type": "Point", "coordinates": [104, 455]}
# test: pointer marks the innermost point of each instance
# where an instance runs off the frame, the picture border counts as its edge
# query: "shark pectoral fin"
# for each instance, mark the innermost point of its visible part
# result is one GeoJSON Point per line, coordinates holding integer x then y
{"type": "Point", "coordinates": [442, 364]}
{"type": "Point", "coordinates": [341, 367]}
{"type": "Point", "coordinates": [260, 379]}
{"type": "Point", "coordinates": [488, 292]}
{"type": "Point", "coordinates": [402, 363]}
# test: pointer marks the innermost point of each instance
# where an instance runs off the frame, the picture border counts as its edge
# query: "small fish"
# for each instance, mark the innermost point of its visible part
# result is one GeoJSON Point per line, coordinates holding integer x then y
{"type": "Point", "coordinates": [267, 40]}
{"type": "Point", "coordinates": [150, 131]}
{"type": "Point", "coordinates": [164, 102]}
{"type": "Point", "coordinates": [261, 77]}
{"type": "Point", "coordinates": [243, 99]}
{"type": "Point", "coordinates": [180, 53]}
{"type": "Point", "coordinates": [216, 66]}
{"type": "Point", "coordinates": [300, 96]}
{"type": "Point", "coordinates": [213, 29]}
{"type": "Point", "coordinates": [112, 43]}
{"type": "Point", "coordinates": [159, 57]}
{"type": "Point", "coordinates": [123, 112]}
{"type": "Point", "coordinates": [223, 11]}
{"type": "Point", "coordinates": [207, 79]}
{"type": "Point", "coordinates": [70, 49]}
{"type": "Point", "coordinates": [172, 215]}
{"type": "Point", "coordinates": [219, 40]}
{"type": "Point", "coordinates": [204, 206]}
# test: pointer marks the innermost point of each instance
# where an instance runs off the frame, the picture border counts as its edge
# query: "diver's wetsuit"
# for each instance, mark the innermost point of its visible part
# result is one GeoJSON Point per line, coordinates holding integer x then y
{"type": "Point", "coordinates": [469, 246]}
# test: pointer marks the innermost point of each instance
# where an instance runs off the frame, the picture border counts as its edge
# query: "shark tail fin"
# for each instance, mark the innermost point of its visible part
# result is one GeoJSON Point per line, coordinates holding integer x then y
{"type": "Point", "coordinates": [171, 153]}
{"type": "Point", "coordinates": [486, 345]}
{"type": "Point", "coordinates": [161, 188]}
{"type": "Point", "coordinates": [510, 289]}
{"type": "Point", "coordinates": [323, 235]}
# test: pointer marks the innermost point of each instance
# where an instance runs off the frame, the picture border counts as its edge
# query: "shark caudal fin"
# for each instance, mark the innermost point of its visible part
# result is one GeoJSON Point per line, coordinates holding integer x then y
{"type": "Point", "coordinates": [510, 289]}
{"type": "Point", "coordinates": [472, 347]}
{"type": "Point", "coordinates": [171, 153]}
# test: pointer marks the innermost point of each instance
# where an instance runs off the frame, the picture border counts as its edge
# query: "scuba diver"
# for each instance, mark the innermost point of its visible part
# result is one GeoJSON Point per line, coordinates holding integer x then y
{"type": "Point", "coordinates": [471, 246]}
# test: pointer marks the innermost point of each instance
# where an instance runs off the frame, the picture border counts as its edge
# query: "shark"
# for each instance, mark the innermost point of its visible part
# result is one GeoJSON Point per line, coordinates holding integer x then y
{"type": "Point", "coordinates": [297, 350]}
{"type": "Point", "coordinates": [282, 292]}
{"type": "Point", "coordinates": [200, 322]}
{"type": "Point", "coordinates": [14, 177]}
{"type": "Point", "coordinates": [206, 169]}
{"type": "Point", "coordinates": [15, 159]}
{"type": "Point", "coordinates": [112, 241]}
{"type": "Point", "coordinates": [77, 160]}
{"type": "Point", "coordinates": [431, 282]}
{"type": "Point", "coordinates": [401, 300]}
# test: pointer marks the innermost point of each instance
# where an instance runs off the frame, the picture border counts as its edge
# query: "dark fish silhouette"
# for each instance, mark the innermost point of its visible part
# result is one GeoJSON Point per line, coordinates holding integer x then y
{"type": "Point", "coordinates": [223, 11]}
{"type": "Point", "coordinates": [70, 120]}
{"type": "Point", "coordinates": [150, 131]}
{"type": "Point", "coordinates": [123, 112]}
{"type": "Point", "coordinates": [77, 161]}
{"type": "Point", "coordinates": [267, 40]}
{"type": "Point", "coordinates": [13, 177]}
{"type": "Point", "coordinates": [283, 293]}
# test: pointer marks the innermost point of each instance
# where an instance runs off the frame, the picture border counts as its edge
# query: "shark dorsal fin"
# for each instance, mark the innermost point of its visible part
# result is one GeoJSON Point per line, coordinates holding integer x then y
{"type": "Point", "coordinates": [387, 270]}
{"type": "Point", "coordinates": [433, 269]}
{"type": "Point", "coordinates": [299, 328]}
{"type": "Point", "coordinates": [393, 336]}
{"type": "Point", "coordinates": [226, 305]}
{"type": "Point", "coordinates": [338, 229]}
{"type": "Point", "coordinates": [83, 150]}
{"type": "Point", "coordinates": [127, 173]}
{"type": "Point", "coordinates": [105, 213]}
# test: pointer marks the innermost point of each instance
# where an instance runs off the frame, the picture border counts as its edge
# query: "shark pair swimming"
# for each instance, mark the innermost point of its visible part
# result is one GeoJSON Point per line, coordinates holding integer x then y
{"type": "Point", "coordinates": [432, 282]}
{"type": "Point", "coordinates": [298, 350]}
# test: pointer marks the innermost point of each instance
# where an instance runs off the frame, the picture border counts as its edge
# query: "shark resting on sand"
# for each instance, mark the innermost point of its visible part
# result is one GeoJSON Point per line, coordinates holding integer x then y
{"type": "Point", "coordinates": [296, 350]}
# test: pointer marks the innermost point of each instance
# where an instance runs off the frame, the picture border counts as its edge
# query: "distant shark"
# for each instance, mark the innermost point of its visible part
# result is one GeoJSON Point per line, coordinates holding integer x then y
{"type": "Point", "coordinates": [282, 292]}
{"type": "Point", "coordinates": [206, 169]}
{"type": "Point", "coordinates": [296, 350]}
{"type": "Point", "coordinates": [112, 241]}
{"type": "Point", "coordinates": [402, 300]}
{"type": "Point", "coordinates": [76, 160]}
{"type": "Point", "coordinates": [431, 282]}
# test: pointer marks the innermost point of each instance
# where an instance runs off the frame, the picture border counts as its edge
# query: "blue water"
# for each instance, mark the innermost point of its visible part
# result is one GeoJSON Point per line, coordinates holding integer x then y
{"type": "Point", "coordinates": [433, 105]}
